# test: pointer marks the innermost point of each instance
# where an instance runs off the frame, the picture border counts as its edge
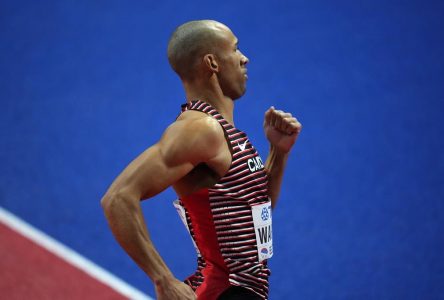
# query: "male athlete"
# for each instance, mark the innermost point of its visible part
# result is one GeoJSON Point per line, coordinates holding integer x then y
{"type": "Point", "coordinates": [225, 190]}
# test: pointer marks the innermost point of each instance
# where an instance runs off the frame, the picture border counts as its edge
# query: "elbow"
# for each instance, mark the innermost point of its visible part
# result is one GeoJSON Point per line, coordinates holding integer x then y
{"type": "Point", "coordinates": [112, 202]}
{"type": "Point", "coordinates": [112, 199]}
{"type": "Point", "coordinates": [105, 202]}
{"type": "Point", "coordinates": [108, 202]}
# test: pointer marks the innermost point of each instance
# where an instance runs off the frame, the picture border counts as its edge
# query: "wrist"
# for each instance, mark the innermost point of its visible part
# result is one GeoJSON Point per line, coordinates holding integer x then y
{"type": "Point", "coordinates": [278, 153]}
{"type": "Point", "coordinates": [276, 160]}
{"type": "Point", "coordinates": [163, 280]}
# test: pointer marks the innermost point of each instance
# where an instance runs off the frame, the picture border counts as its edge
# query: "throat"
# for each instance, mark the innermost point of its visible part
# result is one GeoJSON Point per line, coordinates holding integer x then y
{"type": "Point", "coordinates": [213, 96]}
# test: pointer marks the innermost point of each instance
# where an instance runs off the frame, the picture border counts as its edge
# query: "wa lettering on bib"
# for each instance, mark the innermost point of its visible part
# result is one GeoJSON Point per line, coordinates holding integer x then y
{"type": "Point", "coordinates": [263, 229]}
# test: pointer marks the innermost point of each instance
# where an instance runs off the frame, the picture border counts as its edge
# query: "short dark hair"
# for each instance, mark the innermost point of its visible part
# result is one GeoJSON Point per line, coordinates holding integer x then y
{"type": "Point", "coordinates": [188, 43]}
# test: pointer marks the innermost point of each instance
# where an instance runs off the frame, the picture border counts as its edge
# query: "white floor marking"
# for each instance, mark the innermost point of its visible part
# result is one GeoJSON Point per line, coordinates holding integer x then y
{"type": "Point", "coordinates": [70, 256]}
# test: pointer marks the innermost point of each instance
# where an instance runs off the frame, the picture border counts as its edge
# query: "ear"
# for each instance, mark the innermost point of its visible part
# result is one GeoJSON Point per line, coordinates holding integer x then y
{"type": "Point", "coordinates": [211, 63]}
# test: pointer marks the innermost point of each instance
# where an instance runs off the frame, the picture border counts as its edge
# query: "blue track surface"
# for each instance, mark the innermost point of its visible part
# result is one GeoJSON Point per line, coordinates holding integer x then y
{"type": "Point", "coordinates": [85, 86]}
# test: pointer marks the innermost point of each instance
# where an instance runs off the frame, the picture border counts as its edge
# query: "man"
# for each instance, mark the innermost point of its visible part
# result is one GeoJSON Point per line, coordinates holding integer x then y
{"type": "Point", "coordinates": [226, 191]}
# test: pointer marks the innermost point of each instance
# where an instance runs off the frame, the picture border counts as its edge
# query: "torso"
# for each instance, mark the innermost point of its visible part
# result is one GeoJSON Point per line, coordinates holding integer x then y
{"type": "Point", "coordinates": [218, 199]}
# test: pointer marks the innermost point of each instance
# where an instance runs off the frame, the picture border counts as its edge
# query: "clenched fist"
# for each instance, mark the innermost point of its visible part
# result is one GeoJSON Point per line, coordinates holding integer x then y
{"type": "Point", "coordinates": [281, 129]}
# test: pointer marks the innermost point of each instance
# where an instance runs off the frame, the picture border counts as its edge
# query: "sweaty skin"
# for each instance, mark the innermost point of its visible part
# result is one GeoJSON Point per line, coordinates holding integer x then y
{"type": "Point", "coordinates": [192, 154]}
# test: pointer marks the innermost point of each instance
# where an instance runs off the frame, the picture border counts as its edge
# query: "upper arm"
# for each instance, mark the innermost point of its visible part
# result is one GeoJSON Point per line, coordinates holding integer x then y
{"type": "Point", "coordinates": [184, 144]}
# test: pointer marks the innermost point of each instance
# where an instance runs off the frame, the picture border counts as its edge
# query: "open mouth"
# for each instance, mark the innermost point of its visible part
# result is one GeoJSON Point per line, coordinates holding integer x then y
{"type": "Point", "coordinates": [244, 71]}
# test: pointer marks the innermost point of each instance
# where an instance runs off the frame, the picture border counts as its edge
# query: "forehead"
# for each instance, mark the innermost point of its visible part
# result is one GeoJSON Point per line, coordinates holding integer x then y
{"type": "Point", "coordinates": [224, 33]}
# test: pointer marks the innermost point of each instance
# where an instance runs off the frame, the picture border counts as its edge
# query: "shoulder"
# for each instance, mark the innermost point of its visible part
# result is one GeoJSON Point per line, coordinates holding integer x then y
{"type": "Point", "coordinates": [194, 135]}
{"type": "Point", "coordinates": [197, 118]}
{"type": "Point", "coordinates": [199, 125]}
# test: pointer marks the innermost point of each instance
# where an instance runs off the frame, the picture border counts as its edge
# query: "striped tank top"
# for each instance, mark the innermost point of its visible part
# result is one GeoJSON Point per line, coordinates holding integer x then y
{"type": "Point", "coordinates": [221, 222]}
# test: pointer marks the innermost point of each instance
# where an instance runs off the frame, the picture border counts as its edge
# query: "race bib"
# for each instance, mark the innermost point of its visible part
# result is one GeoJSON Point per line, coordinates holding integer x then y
{"type": "Point", "coordinates": [262, 228]}
{"type": "Point", "coordinates": [181, 211]}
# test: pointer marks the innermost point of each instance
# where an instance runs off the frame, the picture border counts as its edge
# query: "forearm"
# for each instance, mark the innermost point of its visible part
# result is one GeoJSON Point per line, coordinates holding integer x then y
{"type": "Point", "coordinates": [126, 221]}
{"type": "Point", "coordinates": [275, 166]}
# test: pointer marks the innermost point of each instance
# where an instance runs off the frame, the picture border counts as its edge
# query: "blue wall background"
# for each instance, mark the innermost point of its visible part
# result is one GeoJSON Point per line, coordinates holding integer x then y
{"type": "Point", "coordinates": [85, 86]}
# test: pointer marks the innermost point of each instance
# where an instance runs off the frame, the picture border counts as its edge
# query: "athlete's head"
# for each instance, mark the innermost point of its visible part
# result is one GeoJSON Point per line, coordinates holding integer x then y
{"type": "Point", "coordinates": [205, 48]}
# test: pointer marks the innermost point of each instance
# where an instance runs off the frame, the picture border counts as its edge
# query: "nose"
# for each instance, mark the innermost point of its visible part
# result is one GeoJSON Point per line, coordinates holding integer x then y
{"type": "Point", "coordinates": [244, 59]}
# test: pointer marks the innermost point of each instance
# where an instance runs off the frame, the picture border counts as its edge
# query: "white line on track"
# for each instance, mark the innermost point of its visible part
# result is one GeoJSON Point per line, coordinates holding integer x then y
{"type": "Point", "coordinates": [70, 256]}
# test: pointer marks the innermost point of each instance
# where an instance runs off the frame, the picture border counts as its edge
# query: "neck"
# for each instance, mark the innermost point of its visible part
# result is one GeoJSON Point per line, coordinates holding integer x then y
{"type": "Point", "coordinates": [211, 93]}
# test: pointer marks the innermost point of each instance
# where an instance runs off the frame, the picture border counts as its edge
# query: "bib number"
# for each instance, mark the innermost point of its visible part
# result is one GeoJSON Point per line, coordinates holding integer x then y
{"type": "Point", "coordinates": [263, 229]}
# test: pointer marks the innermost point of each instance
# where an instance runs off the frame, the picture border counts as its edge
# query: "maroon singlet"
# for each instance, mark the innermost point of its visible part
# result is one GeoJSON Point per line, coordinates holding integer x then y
{"type": "Point", "coordinates": [221, 223]}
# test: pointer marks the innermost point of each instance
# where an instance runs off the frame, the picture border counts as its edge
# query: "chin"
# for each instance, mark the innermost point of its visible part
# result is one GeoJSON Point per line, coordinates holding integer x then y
{"type": "Point", "coordinates": [239, 95]}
